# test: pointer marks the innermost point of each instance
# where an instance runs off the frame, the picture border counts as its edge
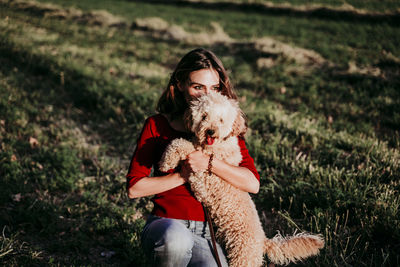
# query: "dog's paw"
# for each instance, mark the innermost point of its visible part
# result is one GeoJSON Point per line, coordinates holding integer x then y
{"type": "Point", "coordinates": [183, 146]}
{"type": "Point", "coordinates": [176, 151]}
{"type": "Point", "coordinates": [169, 160]}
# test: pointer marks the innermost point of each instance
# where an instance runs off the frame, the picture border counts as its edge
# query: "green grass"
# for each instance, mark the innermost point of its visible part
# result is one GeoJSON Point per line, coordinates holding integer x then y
{"type": "Point", "coordinates": [325, 142]}
{"type": "Point", "coordinates": [336, 40]}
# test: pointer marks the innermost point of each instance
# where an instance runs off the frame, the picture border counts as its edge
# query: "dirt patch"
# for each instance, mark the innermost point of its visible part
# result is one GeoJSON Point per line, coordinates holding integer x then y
{"type": "Point", "coordinates": [271, 46]}
{"type": "Point", "coordinates": [102, 18]}
{"type": "Point", "coordinates": [150, 24]}
{"type": "Point", "coordinates": [95, 17]}
{"type": "Point", "coordinates": [265, 63]}
{"type": "Point", "coordinates": [161, 29]}
{"type": "Point", "coordinates": [32, 6]}
{"type": "Point", "coordinates": [370, 71]}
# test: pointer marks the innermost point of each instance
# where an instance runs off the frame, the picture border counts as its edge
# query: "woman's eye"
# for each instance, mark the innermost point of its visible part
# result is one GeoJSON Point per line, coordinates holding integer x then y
{"type": "Point", "coordinates": [197, 87]}
{"type": "Point", "coordinates": [217, 88]}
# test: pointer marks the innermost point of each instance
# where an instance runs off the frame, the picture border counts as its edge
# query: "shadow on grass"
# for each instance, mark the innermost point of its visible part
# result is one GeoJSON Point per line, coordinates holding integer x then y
{"type": "Point", "coordinates": [94, 97]}
{"type": "Point", "coordinates": [64, 237]}
{"type": "Point", "coordinates": [45, 217]}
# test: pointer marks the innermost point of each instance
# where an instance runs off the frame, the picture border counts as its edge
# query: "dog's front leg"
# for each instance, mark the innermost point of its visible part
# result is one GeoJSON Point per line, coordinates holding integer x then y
{"type": "Point", "coordinates": [178, 150]}
{"type": "Point", "coordinates": [197, 184]}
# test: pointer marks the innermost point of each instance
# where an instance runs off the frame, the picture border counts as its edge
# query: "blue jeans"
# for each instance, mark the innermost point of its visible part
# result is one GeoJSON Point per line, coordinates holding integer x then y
{"type": "Point", "coordinates": [173, 242]}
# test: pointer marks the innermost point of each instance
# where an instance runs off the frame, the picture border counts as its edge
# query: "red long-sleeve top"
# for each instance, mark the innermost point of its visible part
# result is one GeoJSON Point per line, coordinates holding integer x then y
{"type": "Point", "coordinates": [178, 202]}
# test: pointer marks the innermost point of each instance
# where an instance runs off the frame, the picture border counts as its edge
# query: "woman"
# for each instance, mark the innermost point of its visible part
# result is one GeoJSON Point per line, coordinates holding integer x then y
{"type": "Point", "coordinates": [176, 234]}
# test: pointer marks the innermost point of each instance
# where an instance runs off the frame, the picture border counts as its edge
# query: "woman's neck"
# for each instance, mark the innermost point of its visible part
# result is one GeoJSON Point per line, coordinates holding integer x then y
{"type": "Point", "coordinates": [176, 123]}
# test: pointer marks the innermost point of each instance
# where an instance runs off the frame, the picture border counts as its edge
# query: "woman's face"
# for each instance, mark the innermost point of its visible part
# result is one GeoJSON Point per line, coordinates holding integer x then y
{"type": "Point", "coordinates": [200, 82]}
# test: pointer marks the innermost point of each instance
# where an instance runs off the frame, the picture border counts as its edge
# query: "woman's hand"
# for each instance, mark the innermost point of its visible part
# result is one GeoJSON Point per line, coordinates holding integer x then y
{"type": "Point", "coordinates": [237, 176]}
{"type": "Point", "coordinates": [197, 161]}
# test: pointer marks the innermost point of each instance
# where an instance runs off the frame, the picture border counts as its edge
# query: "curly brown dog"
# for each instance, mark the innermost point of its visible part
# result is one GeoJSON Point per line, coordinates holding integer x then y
{"type": "Point", "coordinates": [216, 122]}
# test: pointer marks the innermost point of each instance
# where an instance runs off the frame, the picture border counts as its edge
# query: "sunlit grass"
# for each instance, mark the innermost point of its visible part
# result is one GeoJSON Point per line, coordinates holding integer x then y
{"type": "Point", "coordinates": [338, 41]}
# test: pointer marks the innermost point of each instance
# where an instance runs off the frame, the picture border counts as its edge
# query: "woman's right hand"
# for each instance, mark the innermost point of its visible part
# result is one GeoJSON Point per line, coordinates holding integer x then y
{"type": "Point", "coordinates": [153, 185]}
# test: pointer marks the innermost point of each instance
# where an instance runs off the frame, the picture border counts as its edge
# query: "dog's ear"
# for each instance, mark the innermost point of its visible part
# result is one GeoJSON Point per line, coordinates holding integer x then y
{"type": "Point", "coordinates": [188, 119]}
{"type": "Point", "coordinates": [239, 127]}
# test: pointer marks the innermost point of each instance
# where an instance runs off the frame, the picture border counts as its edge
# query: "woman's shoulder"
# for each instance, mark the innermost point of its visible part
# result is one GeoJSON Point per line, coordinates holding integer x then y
{"type": "Point", "coordinates": [241, 139]}
{"type": "Point", "coordinates": [157, 118]}
{"type": "Point", "coordinates": [160, 125]}
{"type": "Point", "coordinates": [157, 124]}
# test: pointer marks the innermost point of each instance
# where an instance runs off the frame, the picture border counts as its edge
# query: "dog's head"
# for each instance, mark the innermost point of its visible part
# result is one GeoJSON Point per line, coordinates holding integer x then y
{"type": "Point", "coordinates": [213, 118]}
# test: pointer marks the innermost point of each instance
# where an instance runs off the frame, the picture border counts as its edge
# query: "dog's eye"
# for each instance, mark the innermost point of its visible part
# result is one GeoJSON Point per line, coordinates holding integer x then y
{"type": "Point", "coordinates": [221, 120]}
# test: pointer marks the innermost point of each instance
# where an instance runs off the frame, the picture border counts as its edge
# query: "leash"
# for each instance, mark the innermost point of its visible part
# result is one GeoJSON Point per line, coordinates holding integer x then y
{"type": "Point", "coordinates": [214, 242]}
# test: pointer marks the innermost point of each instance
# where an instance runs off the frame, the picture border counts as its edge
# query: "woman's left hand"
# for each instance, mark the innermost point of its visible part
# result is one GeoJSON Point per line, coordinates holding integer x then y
{"type": "Point", "coordinates": [240, 177]}
{"type": "Point", "coordinates": [198, 161]}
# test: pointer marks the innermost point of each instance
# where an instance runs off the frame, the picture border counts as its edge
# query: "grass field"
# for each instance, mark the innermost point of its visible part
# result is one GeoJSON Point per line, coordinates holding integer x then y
{"type": "Point", "coordinates": [322, 97]}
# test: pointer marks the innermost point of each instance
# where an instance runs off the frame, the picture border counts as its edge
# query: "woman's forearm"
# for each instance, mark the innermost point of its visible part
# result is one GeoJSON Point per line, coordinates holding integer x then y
{"type": "Point", "coordinates": [153, 185]}
{"type": "Point", "coordinates": [239, 177]}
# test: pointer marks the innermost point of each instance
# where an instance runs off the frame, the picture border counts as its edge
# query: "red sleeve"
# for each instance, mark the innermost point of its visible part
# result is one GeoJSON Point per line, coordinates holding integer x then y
{"type": "Point", "coordinates": [247, 160]}
{"type": "Point", "coordinates": [143, 157]}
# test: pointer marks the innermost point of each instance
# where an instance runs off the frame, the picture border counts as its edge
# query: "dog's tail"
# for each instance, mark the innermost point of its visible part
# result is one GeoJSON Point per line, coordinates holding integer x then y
{"type": "Point", "coordinates": [283, 250]}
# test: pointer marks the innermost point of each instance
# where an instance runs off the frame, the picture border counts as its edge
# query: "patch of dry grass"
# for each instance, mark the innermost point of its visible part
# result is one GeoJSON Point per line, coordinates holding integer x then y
{"type": "Point", "coordinates": [159, 28]}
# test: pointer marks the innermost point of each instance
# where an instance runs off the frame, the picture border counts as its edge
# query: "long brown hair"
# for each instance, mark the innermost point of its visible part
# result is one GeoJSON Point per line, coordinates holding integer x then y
{"type": "Point", "coordinates": [172, 100]}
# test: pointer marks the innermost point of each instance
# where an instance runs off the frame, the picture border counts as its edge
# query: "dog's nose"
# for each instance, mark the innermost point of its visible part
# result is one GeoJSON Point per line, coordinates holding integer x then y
{"type": "Point", "coordinates": [210, 132]}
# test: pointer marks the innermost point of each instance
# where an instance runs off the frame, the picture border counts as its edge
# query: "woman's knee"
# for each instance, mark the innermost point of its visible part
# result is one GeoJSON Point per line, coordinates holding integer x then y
{"type": "Point", "coordinates": [178, 238]}
{"type": "Point", "coordinates": [169, 236]}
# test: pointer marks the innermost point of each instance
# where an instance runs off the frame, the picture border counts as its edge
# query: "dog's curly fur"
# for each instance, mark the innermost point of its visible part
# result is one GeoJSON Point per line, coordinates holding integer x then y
{"type": "Point", "coordinates": [216, 122]}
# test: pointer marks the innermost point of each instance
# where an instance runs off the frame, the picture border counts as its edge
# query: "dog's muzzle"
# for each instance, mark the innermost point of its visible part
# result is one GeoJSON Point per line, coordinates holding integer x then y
{"type": "Point", "coordinates": [210, 137]}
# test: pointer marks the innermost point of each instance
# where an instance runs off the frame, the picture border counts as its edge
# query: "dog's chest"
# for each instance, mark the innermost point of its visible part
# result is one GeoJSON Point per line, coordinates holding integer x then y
{"type": "Point", "coordinates": [228, 151]}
